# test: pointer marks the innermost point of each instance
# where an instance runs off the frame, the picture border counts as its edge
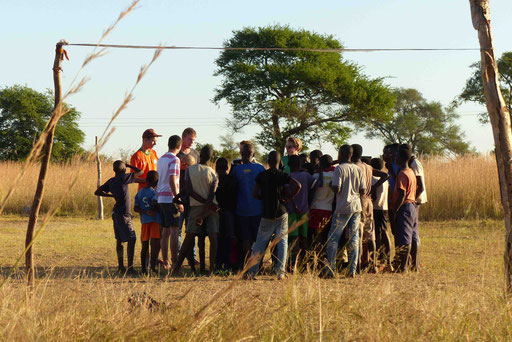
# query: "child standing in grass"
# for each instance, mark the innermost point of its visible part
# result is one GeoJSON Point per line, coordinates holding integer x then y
{"type": "Point", "coordinates": [298, 209]}
{"type": "Point", "coordinates": [226, 197]}
{"type": "Point", "coordinates": [270, 189]}
{"type": "Point", "coordinates": [404, 207]}
{"type": "Point", "coordinates": [348, 184]}
{"type": "Point", "coordinates": [248, 208]}
{"type": "Point", "coordinates": [146, 203]}
{"type": "Point", "coordinates": [380, 213]}
{"type": "Point", "coordinates": [201, 182]}
{"type": "Point", "coordinates": [321, 206]}
{"type": "Point", "coordinates": [117, 187]}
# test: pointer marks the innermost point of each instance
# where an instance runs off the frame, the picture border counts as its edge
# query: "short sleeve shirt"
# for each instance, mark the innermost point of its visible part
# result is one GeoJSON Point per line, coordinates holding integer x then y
{"type": "Point", "coordinates": [406, 180]}
{"type": "Point", "coordinates": [144, 200]}
{"type": "Point", "coordinates": [272, 182]}
{"type": "Point", "coordinates": [323, 197]}
{"type": "Point", "coordinates": [417, 168]}
{"type": "Point", "coordinates": [381, 202]}
{"type": "Point", "coordinates": [367, 173]}
{"type": "Point", "coordinates": [145, 162]}
{"type": "Point", "coordinates": [245, 175]}
{"type": "Point", "coordinates": [202, 177]}
{"type": "Point", "coordinates": [168, 165]}
{"type": "Point", "coordinates": [351, 179]}
{"type": "Point", "coordinates": [307, 183]}
{"type": "Point", "coordinates": [118, 186]}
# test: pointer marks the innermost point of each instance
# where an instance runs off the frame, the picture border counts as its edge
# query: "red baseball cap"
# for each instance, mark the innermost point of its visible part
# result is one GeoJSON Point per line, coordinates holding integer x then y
{"type": "Point", "coordinates": [150, 133]}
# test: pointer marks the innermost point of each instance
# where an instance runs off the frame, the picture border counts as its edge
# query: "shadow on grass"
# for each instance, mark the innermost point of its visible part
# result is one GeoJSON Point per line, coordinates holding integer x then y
{"type": "Point", "coordinates": [105, 272]}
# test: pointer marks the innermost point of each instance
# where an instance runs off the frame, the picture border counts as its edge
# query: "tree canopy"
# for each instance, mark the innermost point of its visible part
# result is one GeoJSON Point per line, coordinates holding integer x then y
{"type": "Point", "coordinates": [23, 115]}
{"type": "Point", "coordinates": [312, 95]}
{"type": "Point", "coordinates": [474, 92]}
{"type": "Point", "coordinates": [426, 126]}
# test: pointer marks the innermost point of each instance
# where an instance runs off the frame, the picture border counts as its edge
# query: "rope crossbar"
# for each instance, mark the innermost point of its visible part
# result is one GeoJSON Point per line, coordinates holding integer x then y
{"type": "Point", "coordinates": [122, 46]}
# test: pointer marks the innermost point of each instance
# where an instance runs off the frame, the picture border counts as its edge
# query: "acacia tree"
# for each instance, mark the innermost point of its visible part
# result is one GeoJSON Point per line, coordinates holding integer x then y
{"type": "Point", "coordinates": [23, 115]}
{"type": "Point", "coordinates": [474, 91]}
{"type": "Point", "coordinates": [426, 126]}
{"type": "Point", "coordinates": [312, 95]}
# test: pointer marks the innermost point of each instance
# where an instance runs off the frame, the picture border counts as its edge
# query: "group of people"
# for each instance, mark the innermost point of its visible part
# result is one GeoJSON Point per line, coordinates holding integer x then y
{"type": "Point", "coordinates": [310, 211]}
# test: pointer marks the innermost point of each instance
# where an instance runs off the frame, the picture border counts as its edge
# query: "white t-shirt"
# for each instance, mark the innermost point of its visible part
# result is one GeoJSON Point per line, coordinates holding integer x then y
{"type": "Point", "coordinates": [381, 202]}
{"type": "Point", "coordinates": [202, 177]}
{"type": "Point", "coordinates": [323, 196]}
{"type": "Point", "coordinates": [351, 179]}
{"type": "Point", "coordinates": [167, 165]}
{"type": "Point", "coordinates": [417, 168]}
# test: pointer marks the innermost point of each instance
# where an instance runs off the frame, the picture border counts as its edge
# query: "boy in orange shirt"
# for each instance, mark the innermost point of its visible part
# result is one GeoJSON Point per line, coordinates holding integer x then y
{"type": "Point", "coordinates": [145, 158]}
{"type": "Point", "coordinates": [404, 207]}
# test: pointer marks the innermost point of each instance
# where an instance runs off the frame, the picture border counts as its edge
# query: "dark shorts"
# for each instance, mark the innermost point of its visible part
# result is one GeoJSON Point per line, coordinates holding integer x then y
{"type": "Point", "coordinates": [406, 225]}
{"type": "Point", "coordinates": [226, 224]}
{"type": "Point", "coordinates": [210, 221]}
{"type": "Point", "coordinates": [247, 227]}
{"type": "Point", "coordinates": [170, 215]}
{"type": "Point", "coordinates": [123, 227]}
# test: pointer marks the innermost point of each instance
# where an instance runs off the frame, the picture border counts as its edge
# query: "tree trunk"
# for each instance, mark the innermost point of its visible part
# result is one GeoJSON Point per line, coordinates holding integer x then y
{"type": "Point", "coordinates": [45, 161]}
{"type": "Point", "coordinates": [278, 138]}
{"type": "Point", "coordinates": [499, 117]}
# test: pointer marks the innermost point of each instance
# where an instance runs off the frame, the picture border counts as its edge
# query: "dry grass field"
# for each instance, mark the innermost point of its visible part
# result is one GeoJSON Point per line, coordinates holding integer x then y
{"type": "Point", "coordinates": [464, 188]}
{"type": "Point", "coordinates": [457, 296]}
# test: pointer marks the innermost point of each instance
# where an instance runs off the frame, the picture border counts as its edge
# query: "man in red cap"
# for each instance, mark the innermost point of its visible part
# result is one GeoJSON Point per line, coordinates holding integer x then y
{"type": "Point", "coordinates": [145, 158]}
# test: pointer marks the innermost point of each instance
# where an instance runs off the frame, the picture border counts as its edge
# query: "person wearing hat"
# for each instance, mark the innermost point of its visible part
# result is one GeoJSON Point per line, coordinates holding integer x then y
{"type": "Point", "coordinates": [145, 158]}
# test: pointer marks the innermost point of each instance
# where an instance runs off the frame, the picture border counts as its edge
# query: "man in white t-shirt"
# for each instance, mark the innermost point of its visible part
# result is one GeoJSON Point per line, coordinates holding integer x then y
{"type": "Point", "coordinates": [168, 167]}
{"type": "Point", "coordinates": [421, 198]}
{"type": "Point", "coordinates": [348, 186]}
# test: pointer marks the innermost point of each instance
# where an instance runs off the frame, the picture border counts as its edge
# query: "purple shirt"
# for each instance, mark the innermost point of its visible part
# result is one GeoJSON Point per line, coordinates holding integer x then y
{"type": "Point", "coordinates": [307, 183]}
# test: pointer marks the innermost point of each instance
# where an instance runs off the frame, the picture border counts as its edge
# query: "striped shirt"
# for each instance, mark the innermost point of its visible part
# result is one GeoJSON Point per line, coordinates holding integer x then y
{"type": "Point", "coordinates": [168, 165]}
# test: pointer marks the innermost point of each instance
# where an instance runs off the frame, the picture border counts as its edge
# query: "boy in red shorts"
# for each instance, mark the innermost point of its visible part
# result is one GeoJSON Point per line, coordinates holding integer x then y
{"type": "Point", "coordinates": [146, 204]}
{"type": "Point", "coordinates": [320, 213]}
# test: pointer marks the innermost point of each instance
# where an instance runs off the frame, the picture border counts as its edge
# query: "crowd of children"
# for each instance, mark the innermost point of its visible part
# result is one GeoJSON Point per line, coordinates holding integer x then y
{"type": "Point", "coordinates": [310, 211]}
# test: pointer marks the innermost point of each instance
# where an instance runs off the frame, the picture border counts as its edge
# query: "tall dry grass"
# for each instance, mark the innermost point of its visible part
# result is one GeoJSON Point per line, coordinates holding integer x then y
{"type": "Point", "coordinates": [465, 187]}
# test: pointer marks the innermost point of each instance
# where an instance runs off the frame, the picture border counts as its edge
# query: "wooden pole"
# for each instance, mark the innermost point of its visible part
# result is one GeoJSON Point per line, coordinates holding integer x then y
{"type": "Point", "coordinates": [98, 165]}
{"type": "Point", "coordinates": [45, 161]}
{"type": "Point", "coordinates": [499, 117]}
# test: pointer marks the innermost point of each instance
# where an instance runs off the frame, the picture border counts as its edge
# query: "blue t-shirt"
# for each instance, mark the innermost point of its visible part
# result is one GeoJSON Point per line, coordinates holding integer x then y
{"type": "Point", "coordinates": [144, 200]}
{"type": "Point", "coordinates": [245, 175]}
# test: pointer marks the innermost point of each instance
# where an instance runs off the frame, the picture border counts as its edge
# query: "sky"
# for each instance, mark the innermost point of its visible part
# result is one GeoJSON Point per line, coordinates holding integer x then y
{"type": "Point", "coordinates": [177, 91]}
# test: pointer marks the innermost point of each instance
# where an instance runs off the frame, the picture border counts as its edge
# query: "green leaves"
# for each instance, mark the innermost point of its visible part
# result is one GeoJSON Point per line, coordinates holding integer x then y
{"type": "Point", "coordinates": [473, 90]}
{"type": "Point", "coordinates": [23, 115]}
{"type": "Point", "coordinates": [295, 92]}
{"type": "Point", "coordinates": [426, 126]}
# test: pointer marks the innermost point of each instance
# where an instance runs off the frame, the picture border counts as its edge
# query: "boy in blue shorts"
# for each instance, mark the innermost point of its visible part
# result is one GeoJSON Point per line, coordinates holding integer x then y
{"type": "Point", "coordinates": [248, 208]}
{"type": "Point", "coordinates": [117, 187]}
{"type": "Point", "coordinates": [146, 203]}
